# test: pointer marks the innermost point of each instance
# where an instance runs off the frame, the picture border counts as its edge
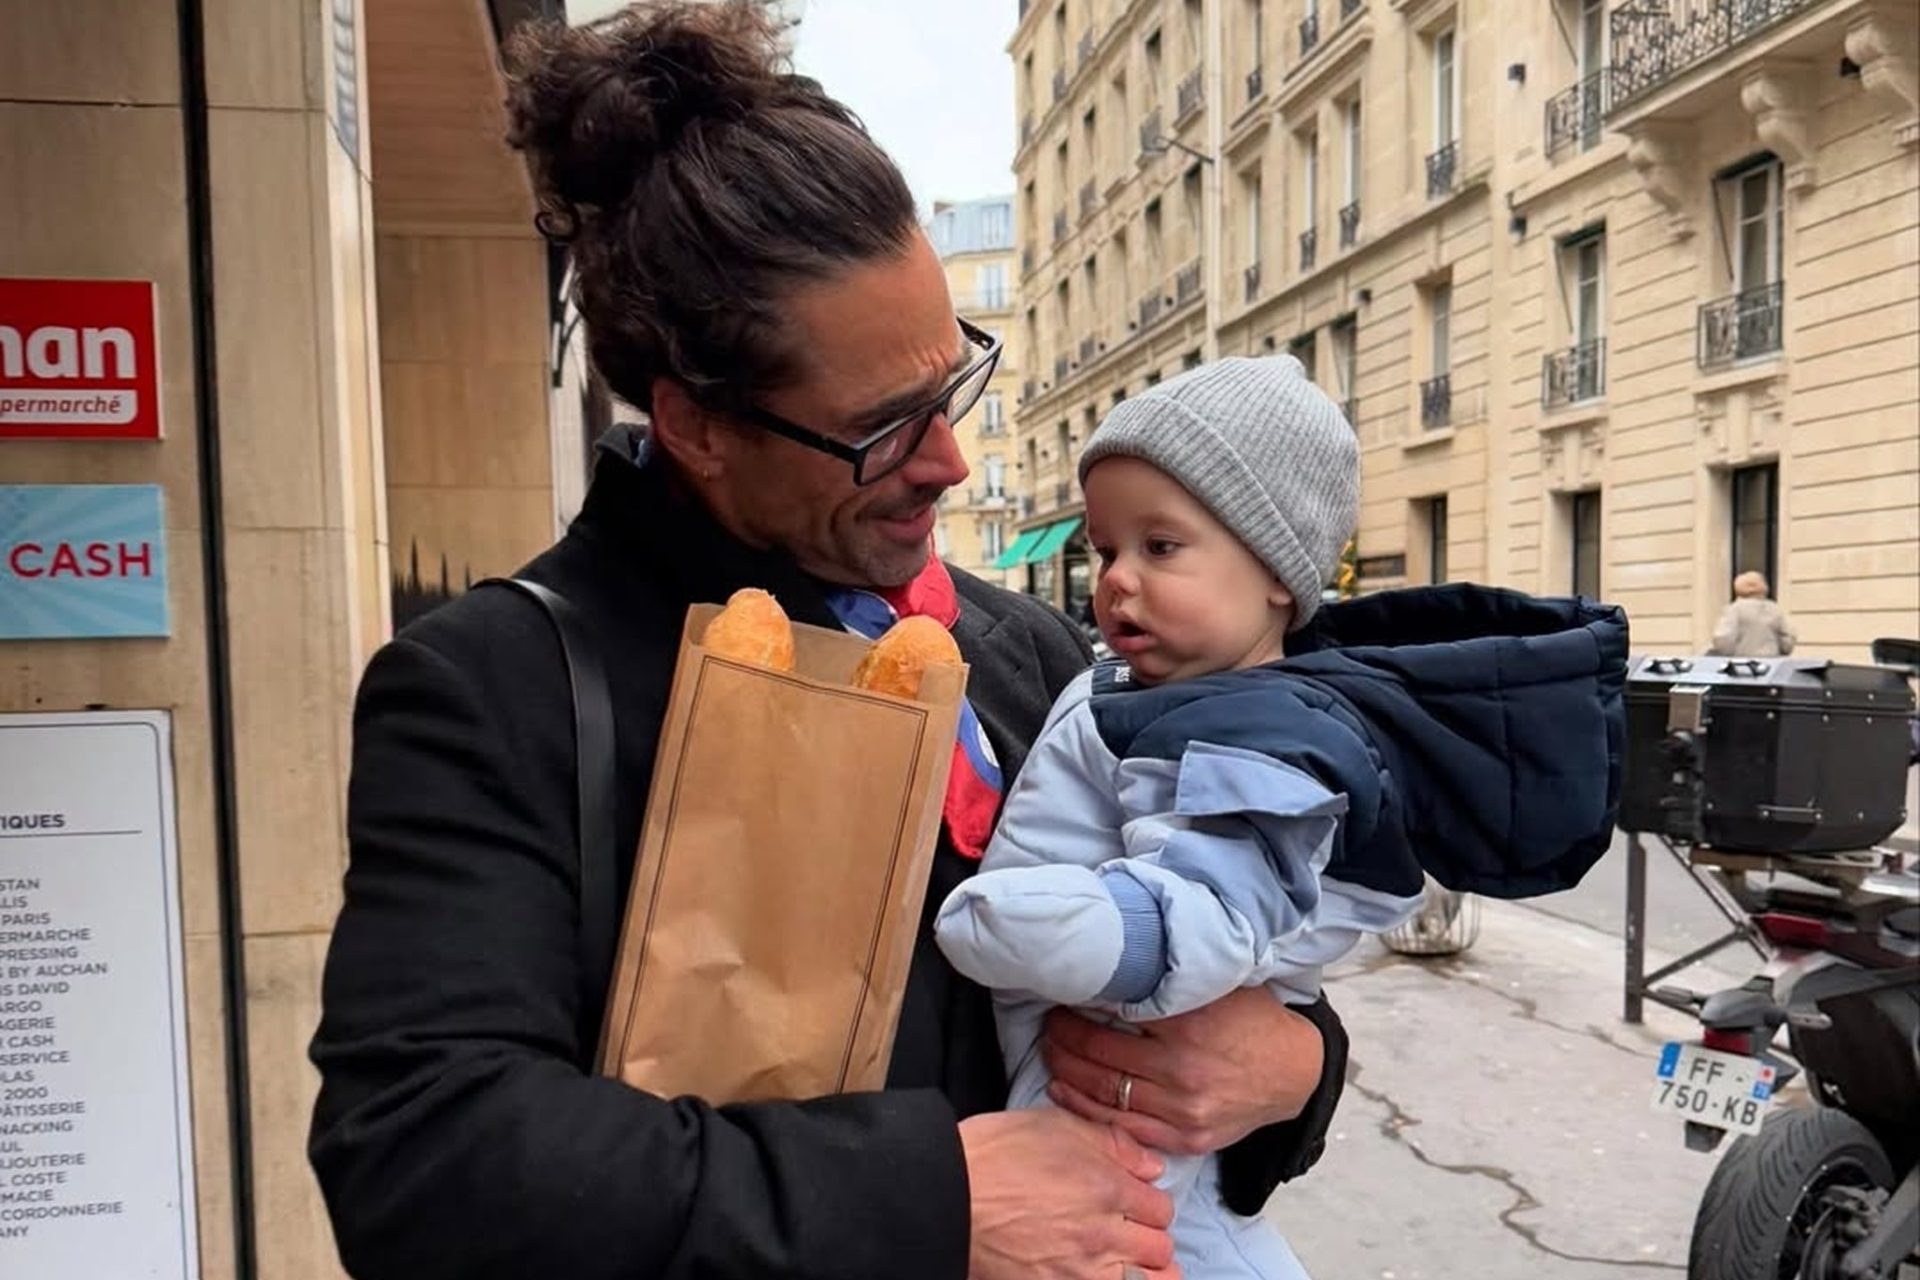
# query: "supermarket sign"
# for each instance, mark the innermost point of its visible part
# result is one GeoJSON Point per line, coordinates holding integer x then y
{"type": "Point", "coordinates": [78, 360]}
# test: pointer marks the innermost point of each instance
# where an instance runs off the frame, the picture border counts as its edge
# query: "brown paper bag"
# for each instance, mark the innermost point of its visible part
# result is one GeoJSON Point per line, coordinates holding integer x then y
{"type": "Point", "coordinates": [776, 895]}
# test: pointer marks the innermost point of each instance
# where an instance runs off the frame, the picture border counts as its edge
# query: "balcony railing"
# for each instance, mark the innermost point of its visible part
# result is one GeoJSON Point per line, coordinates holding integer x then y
{"type": "Point", "coordinates": [1089, 348]}
{"type": "Point", "coordinates": [1059, 83]}
{"type": "Point", "coordinates": [984, 300]}
{"type": "Point", "coordinates": [1060, 369]}
{"type": "Point", "coordinates": [1651, 46]}
{"type": "Point", "coordinates": [1150, 131]}
{"type": "Point", "coordinates": [1436, 401]}
{"type": "Point", "coordinates": [1256, 83]}
{"type": "Point", "coordinates": [1192, 95]}
{"type": "Point", "coordinates": [1026, 261]}
{"type": "Point", "coordinates": [1309, 31]}
{"type": "Point", "coordinates": [1576, 374]}
{"type": "Point", "coordinates": [1088, 200]}
{"type": "Point", "coordinates": [1029, 390]}
{"type": "Point", "coordinates": [1059, 226]}
{"type": "Point", "coordinates": [1026, 128]}
{"type": "Point", "coordinates": [1086, 46]}
{"type": "Point", "coordinates": [1252, 278]}
{"type": "Point", "coordinates": [1350, 225]}
{"type": "Point", "coordinates": [1442, 167]}
{"type": "Point", "coordinates": [1186, 285]}
{"type": "Point", "coordinates": [1741, 327]}
{"type": "Point", "coordinates": [1062, 494]}
{"type": "Point", "coordinates": [1309, 247]}
{"type": "Point", "coordinates": [1575, 116]}
{"type": "Point", "coordinates": [1152, 307]}
{"type": "Point", "coordinates": [1350, 7]}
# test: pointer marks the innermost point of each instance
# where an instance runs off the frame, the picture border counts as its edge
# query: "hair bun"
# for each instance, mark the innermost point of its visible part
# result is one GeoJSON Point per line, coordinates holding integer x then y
{"type": "Point", "coordinates": [595, 105]}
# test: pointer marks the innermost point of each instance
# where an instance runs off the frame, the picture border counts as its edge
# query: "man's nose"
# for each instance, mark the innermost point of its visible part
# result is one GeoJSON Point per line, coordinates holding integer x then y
{"type": "Point", "coordinates": [938, 462]}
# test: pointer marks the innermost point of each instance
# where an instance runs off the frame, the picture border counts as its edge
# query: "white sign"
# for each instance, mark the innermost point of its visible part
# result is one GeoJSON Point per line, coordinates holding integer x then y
{"type": "Point", "coordinates": [96, 1135]}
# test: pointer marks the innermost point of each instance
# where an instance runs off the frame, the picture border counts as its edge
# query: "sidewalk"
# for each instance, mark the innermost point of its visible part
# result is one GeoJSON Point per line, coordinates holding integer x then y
{"type": "Point", "coordinates": [1496, 1122]}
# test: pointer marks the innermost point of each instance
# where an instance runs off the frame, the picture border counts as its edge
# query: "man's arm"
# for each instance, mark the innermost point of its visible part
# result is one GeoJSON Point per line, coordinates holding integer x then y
{"type": "Point", "coordinates": [455, 1136]}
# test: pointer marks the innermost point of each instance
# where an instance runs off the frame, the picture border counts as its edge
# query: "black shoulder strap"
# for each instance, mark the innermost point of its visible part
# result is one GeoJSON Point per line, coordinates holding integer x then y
{"type": "Point", "coordinates": [593, 737]}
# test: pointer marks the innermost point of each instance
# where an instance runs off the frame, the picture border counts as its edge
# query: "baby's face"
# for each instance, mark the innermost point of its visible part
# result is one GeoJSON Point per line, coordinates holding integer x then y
{"type": "Point", "coordinates": [1178, 595]}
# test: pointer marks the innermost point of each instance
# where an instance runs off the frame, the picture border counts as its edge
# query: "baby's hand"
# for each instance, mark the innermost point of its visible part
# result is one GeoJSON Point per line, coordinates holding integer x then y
{"type": "Point", "coordinates": [1051, 931]}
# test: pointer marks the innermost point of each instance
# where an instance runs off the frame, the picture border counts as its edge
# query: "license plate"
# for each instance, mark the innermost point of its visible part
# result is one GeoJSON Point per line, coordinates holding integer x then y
{"type": "Point", "coordinates": [1725, 1090]}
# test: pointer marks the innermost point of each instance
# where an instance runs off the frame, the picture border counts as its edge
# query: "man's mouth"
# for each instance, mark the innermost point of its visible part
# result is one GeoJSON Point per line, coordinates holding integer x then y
{"type": "Point", "coordinates": [915, 524]}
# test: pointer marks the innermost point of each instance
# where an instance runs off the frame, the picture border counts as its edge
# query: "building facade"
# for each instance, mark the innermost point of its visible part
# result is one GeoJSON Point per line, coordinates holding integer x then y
{"type": "Point", "coordinates": [360, 412]}
{"type": "Point", "coordinates": [974, 238]}
{"type": "Point", "coordinates": [1620, 298]}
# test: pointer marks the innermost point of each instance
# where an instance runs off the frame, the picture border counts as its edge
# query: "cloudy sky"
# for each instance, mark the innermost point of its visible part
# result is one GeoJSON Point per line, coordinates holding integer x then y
{"type": "Point", "coordinates": [931, 78]}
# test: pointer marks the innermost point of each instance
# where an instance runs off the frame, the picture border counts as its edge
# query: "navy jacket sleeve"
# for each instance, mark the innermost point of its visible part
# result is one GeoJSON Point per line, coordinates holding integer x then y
{"type": "Point", "coordinates": [456, 1136]}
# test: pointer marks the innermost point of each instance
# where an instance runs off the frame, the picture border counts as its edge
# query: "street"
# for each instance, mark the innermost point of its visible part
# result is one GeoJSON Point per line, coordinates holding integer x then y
{"type": "Point", "coordinates": [1496, 1122]}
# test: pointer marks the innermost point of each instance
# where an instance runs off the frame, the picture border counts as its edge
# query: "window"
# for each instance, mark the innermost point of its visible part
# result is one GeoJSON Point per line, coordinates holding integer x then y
{"type": "Point", "coordinates": [1306, 350]}
{"type": "Point", "coordinates": [1351, 124]}
{"type": "Point", "coordinates": [1250, 198]}
{"type": "Point", "coordinates": [1063, 442]}
{"type": "Point", "coordinates": [1152, 221]}
{"type": "Point", "coordinates": [1191, 360]}
{"type": "Point", "coordinates": [996, 227]}
{"type": "Point", "coordinates": [1446, 97]}
{"type": "Point", "coordinates": [1585, 267]}
{"type": "Point", "coordinates": [1757, 216]}
{"type": "Point", "coordinates": [992, 282]}
{"type": "Point", "coordinates": [1593, 37]}
{"type": "Point", "coordinates": [1117, 116]}
{"type": "Point", "coordinates": [1583, 512]}
{"type": "Point", "coordinates": [1343, 342]}
{"type": "Point", "coordinates": [1195, 30]}
{"type": "Point", "coordinates": [1433, 515]}
{"type": "Point", "coordinates": [1063, 170]}
{"type": "Point", "coordinates": [1309, 179]}
{"type": "Point", "coordinates": [1256, 28]}
{"type": "Point", "coordinates": [993, 541]}
{"type": "Point", "coordinates": [1190, 198]}
{"type": "Point", "coordinates": [996, 475]}
{"type": "Point", "coordinates": [1090, 141]}
{"type": "Point", "coordinates": [993, 414]}
{"type": "Point", "coordinates": [1154, 60]}
{"type": "Point", "coordinates": [1756, 520]}
{"type": "Point", "coordinates": [1440, 328]}
{"type": "Point", "coordinates": [1032, 212]}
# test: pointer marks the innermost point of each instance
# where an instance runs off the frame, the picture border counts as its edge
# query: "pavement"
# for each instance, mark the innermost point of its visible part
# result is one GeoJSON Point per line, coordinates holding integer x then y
{"type": "Point", "coordinates": [1496, 1123]}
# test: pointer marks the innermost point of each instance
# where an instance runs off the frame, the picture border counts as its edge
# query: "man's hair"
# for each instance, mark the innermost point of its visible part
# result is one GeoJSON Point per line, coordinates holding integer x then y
{"type": "Point", "coordinates": [696, 182]}
{"type": "Point", "coordinates": [1750, 586]}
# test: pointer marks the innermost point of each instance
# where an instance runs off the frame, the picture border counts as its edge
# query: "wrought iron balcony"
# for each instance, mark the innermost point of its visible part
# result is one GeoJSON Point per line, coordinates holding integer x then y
{"type": "Point", "coordinates": [1186, 285]}
{"type": "Point", "coordinates": [1436, 401]}
{"type": "Point", "coordinates": [1152, 307]}
{"type": "Point", "coordinates": [1150, 130]}
{"type": "Point", "coordinates": [1651, 46]}
{"type": "Point", "coordinates": [1350, 225]}
{"type": "Point", "coordinates": [1026, 261]}
{"type": "Point", "coordinates": [1060, 368]}
{"type": "Point", "coordinates": [1741, 327]}
{"type": "Point", "coordinates": [1575, 115]}
{"type": "Point", "coordinates": [1442, 168]}
{"type": "Point", "coordinates": [1059, 83]}
{"type": "Point", "coordinates": [1029, 389]}
{"type": "Point", "coordinates": [1062, 494]}
{"type": "Point", "coordinates": [1350, 7]}
{"type": "Point", "coordinates": [1026, 128]}
{"type": "Point", "coordinates": [1256, 83]}
{"type": "Point", "coordinates": [1088, 200]}
{"type": "Point", "coordinates": [1309, 247]}
{"type": "Point", "coordinates": [1059, 226]}
{"type": "Point", "coordinates": [1309, 31]}
{"type": "Point", "coordinates": [1089, 348]}
{"type": "Point", "coordinates": [1252, 278]}
{"type": "Point", "coordinates": [1086, 46]}
{"type": "Point", "coordinates": [1192, 95]}
{"type": "Point", "coordinates": [1576, 374]}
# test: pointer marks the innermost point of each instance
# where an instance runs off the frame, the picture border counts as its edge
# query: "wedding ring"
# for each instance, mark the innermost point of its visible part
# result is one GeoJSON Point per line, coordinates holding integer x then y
{"type": "Point", "coordinates": [1123, 1092]}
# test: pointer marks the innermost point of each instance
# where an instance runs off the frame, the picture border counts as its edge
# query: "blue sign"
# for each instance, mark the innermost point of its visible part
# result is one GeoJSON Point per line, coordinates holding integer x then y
{"type": "Point", "coordinates": [82, 561]}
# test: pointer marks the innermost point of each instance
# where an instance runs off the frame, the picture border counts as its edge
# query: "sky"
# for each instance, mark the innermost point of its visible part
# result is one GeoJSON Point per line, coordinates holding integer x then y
{"type": "Point", "coordinates": [931, 79]}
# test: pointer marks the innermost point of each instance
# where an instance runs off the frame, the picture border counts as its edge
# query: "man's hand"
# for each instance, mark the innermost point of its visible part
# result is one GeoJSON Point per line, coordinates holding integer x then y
{"type": "Point", "coordinates": [1056, 1198]}
{"type": "Point", "coordinates": [1200, 1081]}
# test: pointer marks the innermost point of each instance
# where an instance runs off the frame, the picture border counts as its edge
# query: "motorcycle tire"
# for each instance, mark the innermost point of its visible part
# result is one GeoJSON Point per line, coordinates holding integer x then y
{"type": "Point", "coordinates": [1764, 1199]}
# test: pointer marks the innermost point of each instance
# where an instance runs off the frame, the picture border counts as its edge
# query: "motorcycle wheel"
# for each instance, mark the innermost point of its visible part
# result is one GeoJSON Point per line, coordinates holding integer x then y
{"type": "Point", "coordinates": [1767, 1197]}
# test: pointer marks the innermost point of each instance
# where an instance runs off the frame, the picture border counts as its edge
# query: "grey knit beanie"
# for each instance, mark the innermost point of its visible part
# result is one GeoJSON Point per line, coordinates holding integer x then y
{"type": "Point", "coordinates": [1262, 448]}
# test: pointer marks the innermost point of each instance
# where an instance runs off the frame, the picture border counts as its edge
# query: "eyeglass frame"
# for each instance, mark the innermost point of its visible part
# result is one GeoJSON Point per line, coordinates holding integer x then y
{"type": "Point", "coordinates": [936, 406]}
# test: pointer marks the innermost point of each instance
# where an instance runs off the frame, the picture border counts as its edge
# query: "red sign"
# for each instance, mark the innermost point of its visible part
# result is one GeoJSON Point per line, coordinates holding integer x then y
{"type": "Point", "coordinates": [78, 360]}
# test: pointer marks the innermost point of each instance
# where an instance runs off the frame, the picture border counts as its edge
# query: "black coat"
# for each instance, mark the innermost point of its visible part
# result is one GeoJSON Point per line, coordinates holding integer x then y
{"type": "Point", "coordinates": [457, 1133]}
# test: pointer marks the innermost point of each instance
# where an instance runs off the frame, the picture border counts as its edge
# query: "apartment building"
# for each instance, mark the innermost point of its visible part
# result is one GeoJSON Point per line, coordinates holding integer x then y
{"type": "Point", "coordinates": [1620, 298]}
{"type": "Point", "coordinates": [974, 238]}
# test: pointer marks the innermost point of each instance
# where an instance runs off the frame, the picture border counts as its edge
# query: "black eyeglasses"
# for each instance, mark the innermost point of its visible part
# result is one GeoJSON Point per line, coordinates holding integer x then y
{"type": "Point", "coordinates": [886, 449]}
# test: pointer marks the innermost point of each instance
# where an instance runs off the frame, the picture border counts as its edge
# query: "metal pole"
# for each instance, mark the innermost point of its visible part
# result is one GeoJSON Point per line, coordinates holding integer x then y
{"type": "Point", "coordinates": [1636, 927]}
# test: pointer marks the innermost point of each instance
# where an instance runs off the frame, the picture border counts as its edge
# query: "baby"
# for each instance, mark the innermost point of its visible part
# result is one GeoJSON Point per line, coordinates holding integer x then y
{"type": "Point", "coordinates": [1256, 781]}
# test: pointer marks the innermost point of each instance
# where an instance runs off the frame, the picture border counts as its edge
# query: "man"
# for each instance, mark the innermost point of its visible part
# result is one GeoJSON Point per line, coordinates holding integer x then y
{"type": "Point", "coordinates": [800, 438]}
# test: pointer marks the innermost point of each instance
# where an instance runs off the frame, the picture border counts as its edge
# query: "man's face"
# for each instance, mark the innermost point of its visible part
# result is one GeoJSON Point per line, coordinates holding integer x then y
{"type": "Point", "coordinates": [879, 340]}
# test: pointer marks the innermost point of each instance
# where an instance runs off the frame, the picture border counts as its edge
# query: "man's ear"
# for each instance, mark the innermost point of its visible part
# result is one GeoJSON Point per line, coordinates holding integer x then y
{"type": "Point", "coordinates": [694, 438]}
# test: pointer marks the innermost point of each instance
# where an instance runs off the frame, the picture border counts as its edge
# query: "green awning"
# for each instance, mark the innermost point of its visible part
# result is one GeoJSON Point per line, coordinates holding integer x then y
{"type": "Point", "coordinates": [1016, 555]}
{"type": "Point", "coordinates": [1055, 538]}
